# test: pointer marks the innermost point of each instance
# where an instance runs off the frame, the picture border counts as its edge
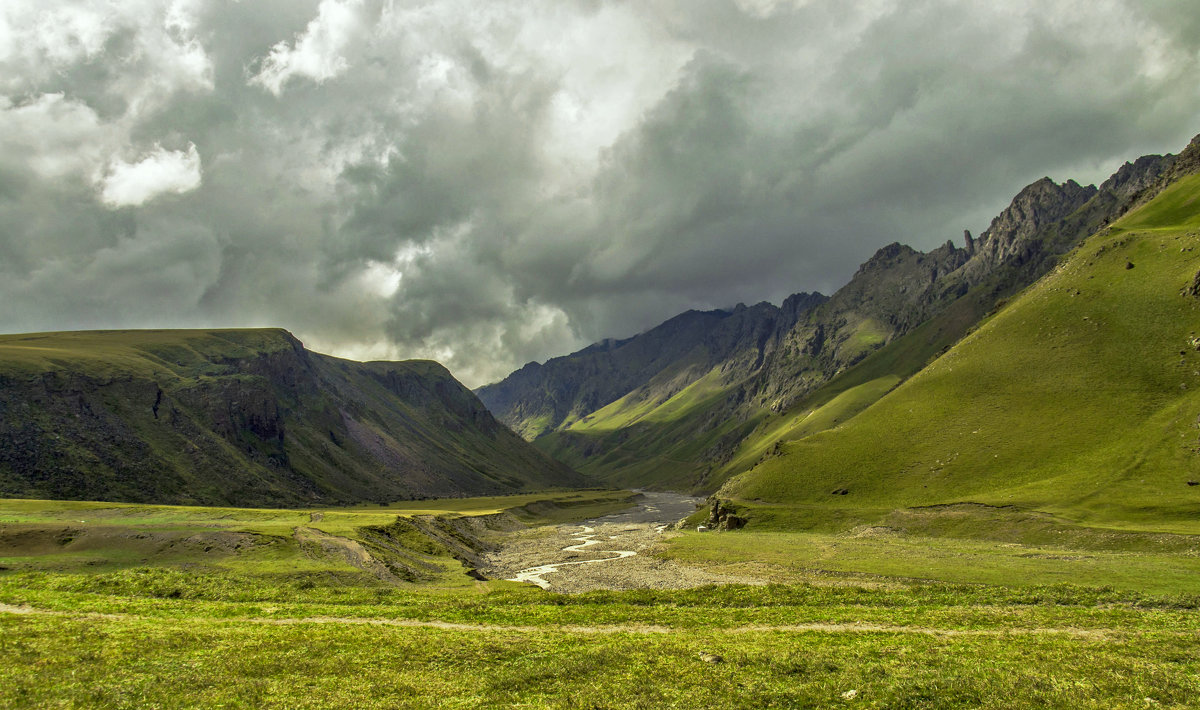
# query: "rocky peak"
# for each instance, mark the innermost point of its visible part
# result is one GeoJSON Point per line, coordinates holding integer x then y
{"type": "Point", "coordinates": [886, 257]}
{"type": "Point", "coordinates": [896, 279]}
{"type": "Point", "coordinates": [1038, 204]}
{"type": "Point", "coordinates": [1010, 234]}
{"type": "Point", "coordinates": [1186, 163]}
{"type": "Point", "coordinates": [1132, 178]}
{"type": "Point", "coordinates": [798, 304]}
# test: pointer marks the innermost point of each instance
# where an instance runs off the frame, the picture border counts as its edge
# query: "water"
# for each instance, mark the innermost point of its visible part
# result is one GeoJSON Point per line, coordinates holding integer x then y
{"type": "Point", "coordinates": [654, 508]}
{"type": "Point", "coordinates": [658, 510]}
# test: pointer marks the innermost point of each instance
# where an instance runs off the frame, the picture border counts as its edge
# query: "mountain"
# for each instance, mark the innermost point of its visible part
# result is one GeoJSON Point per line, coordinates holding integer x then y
{"type": "Point", "coordinates": [244, 417]}
{"type": "Point", "coordinates": [1080, 397]}
{"type": "Point", "coordinates": [540, 398]}
{"type": "Point", "coordinates": [679, 420]}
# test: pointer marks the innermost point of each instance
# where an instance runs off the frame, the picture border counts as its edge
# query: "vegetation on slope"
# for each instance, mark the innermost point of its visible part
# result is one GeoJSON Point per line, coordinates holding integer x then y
{"type": "Point", "coordinates": [776, 367]}
{"type": "Point", "coordinates": [1080, 397]}
{"type": "Point", "coordinates": [245, 417]}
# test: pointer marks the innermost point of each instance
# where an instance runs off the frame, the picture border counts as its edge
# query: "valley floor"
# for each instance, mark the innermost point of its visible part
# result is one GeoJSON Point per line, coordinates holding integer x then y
{"type": "Point", "coordinates": [617, 551]}
{"type": "Point", "coordinates": [857, 616]}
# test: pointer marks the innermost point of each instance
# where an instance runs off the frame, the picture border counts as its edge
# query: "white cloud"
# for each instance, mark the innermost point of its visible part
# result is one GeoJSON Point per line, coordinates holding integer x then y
{"type": "Point", "coordinates": [158, 173]}
{"type": "Point", "coordinates": [57, 138]}
{"type": "Point", "coordinates": [317, 53]}
{"type": "Point", "coordinates": [767, 8]}
{"type": "Point", "coordinates": [156, 52]}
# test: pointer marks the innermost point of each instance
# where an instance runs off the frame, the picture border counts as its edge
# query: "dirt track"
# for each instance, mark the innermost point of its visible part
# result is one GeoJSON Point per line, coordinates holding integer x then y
{"type": "Point", "coordinates": [1104, 634]}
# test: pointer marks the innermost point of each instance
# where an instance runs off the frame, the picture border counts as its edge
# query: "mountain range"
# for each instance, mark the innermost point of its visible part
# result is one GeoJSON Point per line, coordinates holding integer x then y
{"type": "Point", "coordinates": [1049, 363]}
{"type": "Point", "coordinates": [708, 395]}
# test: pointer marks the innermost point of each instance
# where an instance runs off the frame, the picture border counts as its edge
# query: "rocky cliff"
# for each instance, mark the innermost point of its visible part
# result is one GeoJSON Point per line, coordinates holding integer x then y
{"type": "Point", "coordinates": [243, 417]}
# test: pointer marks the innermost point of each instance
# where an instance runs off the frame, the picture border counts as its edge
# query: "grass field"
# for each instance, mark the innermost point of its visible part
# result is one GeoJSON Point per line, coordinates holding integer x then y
{"type": "Point", "coordinates": [959, 608]}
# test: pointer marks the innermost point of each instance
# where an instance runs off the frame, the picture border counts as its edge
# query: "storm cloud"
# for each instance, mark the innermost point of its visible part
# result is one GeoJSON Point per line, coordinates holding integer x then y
{"type": "Point", "coordinates": [491, 183]}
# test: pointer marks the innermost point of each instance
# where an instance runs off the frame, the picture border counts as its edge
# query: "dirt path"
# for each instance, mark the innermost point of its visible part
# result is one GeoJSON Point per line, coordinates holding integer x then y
{"type": "Point", "coordinates": [827, 628]}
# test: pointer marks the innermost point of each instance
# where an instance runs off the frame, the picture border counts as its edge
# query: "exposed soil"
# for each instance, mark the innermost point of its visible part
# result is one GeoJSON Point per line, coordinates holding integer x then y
{"type": "Point", "coordinates": [613, 552]}
{"type": "Point", "coordinates": [320, 544]}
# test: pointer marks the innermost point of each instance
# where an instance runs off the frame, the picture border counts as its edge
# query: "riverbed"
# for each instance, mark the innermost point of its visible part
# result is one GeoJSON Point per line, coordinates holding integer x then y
{"type": "Point", "coordinates": [617, 551]}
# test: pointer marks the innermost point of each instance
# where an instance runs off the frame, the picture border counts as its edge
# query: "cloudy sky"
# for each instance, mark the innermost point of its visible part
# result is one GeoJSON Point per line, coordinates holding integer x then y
{"type": "Point", "coordinates": [488, 183]}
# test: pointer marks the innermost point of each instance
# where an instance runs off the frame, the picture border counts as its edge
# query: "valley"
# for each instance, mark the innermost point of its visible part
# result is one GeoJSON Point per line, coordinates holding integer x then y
{"type": "Point", "coordinates": [618, 551]}
{"type": "Point", "coordinates": [970, 478]}
{"type": "Point", "coordinates": [112, 605]}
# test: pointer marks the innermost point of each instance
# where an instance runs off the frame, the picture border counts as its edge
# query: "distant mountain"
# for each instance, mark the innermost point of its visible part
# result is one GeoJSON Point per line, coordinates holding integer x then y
{"type": "Point", "coordinates": [666, 408]}
{"type": "Point", "coordinates": [243, 417]}
{"type": "Point", "coordinates": [541, 398]}
{"type": "Point", "coordinates": [1078, 397]}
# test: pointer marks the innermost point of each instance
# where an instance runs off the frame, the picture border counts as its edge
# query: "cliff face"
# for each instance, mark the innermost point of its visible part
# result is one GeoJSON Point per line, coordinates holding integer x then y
{"type": "Point", "coordinates": [243, 417]}
{"type": "Point", "coordinates": [589, 405]}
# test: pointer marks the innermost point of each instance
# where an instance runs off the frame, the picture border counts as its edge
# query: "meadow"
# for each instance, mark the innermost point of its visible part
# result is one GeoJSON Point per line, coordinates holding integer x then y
{"type": "Point", "coordinates": [118, 605]}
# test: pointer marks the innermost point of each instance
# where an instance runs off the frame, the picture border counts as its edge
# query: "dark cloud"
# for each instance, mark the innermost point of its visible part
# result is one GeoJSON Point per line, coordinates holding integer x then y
{"type": "Point", "coordinates": [492, 183]}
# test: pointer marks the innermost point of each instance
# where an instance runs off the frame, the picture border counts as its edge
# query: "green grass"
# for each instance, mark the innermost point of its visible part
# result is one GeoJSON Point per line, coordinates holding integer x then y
{"type": "Point", "coordinates": [109, 663]}
{"type": "Point", "coordinates": [768, 439]}
{"type": "Point", "coordinates": [629, 409]}
{"type": "Point", "coordinates": [866, 337]}
{"type": "Point", "coordinates": [154, 353]}
{"type": "Point", "coordinates": [962, 607]}
{"type": "Point", "coordinates": [1079, 398]}
{"type": "Point", "coordinates": [89, 537]}
{"type": "Point", "coordinates": [339, 520]}
{"type": "Point", "coordinates": [871, 554]}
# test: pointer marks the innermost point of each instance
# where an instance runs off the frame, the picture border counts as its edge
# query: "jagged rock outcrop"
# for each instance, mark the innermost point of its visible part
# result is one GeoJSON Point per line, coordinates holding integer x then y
{"type": "Point", "coordinates": [244, 417]}
{"type": "Point", "coordinates": [1034, 208]}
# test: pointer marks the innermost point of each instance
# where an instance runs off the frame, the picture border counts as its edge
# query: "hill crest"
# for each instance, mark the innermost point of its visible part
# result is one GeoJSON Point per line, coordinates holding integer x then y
{"type": "Point", "coordinates": [244, 417]}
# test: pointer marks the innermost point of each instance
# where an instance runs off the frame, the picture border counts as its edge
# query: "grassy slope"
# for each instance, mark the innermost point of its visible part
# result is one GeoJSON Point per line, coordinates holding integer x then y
{"type": "Point", "coordinates": [1080, 397]}
{"type": "Point", "coordinates": [243, 416]}
{"type": "Point", "coordinates": [678, 432]}
{"type": "Point", "coordinates": [154, 353]}
{"type": "Point", "coordinates": [650, 443]}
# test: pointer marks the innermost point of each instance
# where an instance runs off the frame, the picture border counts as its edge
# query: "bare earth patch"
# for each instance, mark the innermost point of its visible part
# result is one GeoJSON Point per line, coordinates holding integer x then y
{"type": "Point", "coordinates": [597, 566]}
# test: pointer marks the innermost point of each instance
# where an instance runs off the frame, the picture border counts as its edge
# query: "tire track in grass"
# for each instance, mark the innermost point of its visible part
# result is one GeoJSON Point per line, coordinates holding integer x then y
{"type": "Point", "coordinates": [1100, 634]}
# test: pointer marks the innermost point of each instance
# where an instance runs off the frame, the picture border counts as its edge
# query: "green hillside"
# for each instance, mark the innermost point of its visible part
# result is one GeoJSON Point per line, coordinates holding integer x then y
{"type": "Point", "coordinates": [1080, 397]}
{"type": "Point", "coordinates": [243, 417]}
{"type": "Point", "coordinates": [708, 395]}
{"type": "Point", "coordinates": [709, 431]}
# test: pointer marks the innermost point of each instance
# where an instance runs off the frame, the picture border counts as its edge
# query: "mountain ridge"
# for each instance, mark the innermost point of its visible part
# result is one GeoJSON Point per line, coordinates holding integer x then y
{"type": "Point", "coordinates": [929, 300]}
{"type": "Point", "coordinates": [1078, 398]}
{"type": "Point", "coordinates": [246, 417]}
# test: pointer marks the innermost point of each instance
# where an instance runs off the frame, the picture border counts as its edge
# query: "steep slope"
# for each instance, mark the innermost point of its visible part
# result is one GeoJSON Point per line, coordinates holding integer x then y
{"type": "Point", "coordinates": [245, 417]}
{"type": "Point", "coordinates": [899, 310]}
{"type": "Point", "coordinates": [1080, 397]}
{"type": "Point", "coordinates": [657, 364]}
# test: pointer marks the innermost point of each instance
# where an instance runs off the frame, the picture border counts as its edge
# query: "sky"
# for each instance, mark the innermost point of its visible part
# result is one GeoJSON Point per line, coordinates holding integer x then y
{"type": "Point", "coordinates": [490, 183]}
